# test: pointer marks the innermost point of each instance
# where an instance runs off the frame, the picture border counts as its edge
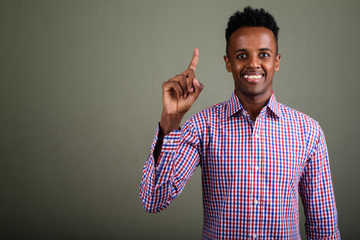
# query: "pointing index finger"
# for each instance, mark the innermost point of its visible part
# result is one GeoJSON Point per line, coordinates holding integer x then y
{"type": "Point", "coordinates": [194, 60]}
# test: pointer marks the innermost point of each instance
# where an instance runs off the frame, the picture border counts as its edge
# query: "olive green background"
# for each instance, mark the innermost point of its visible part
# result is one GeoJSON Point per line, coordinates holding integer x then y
{"type": "Point", "coordinates": [80, 97]}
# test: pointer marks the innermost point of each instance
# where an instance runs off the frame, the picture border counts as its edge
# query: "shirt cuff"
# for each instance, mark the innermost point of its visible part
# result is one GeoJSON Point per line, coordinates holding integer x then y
{"type": "Point", "coordinates": [171, 141]}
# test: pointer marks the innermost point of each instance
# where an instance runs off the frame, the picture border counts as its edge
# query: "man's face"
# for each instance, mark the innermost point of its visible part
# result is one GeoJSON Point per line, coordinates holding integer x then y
{"type": "Point", "coordinates": [252, 60]}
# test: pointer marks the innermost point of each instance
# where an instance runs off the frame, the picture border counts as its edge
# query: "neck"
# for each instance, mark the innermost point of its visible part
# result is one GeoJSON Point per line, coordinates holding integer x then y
{"type": "Point", "coordinates": [253, 104]}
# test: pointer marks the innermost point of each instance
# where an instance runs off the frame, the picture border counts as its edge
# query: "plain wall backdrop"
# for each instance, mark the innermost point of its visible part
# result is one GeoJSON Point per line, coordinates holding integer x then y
{"type": "Point", "coordinates": [80, 97]}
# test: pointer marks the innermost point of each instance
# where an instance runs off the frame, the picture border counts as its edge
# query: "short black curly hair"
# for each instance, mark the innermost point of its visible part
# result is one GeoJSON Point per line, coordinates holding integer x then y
{"type": "Point", "coordinates": [251, 18]}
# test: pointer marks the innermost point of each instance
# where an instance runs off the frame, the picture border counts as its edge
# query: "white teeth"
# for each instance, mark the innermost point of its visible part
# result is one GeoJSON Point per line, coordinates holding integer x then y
{"type": "Point", "coordinates": [253, 76]}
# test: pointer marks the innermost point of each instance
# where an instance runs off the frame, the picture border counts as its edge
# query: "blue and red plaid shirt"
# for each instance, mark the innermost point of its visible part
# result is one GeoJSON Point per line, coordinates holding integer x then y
{"type": "Point", "coordinates": [252, 172]}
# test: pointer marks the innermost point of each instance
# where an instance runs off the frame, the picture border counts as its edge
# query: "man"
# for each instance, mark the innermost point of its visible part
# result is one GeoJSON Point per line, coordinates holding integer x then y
{"type": "Point", "coordinates": [255, 154]}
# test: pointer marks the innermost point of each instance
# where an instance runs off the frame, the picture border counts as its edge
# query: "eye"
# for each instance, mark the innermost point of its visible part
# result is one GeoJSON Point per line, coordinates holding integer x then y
{"type": "Point", "coordinates": [263, 55]}
{"type": "Point", "coordinates": [241, 56]}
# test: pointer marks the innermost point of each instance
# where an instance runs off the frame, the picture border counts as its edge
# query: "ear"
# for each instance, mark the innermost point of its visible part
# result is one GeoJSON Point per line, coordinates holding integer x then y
{"type": "Point", "coordinates": [227, 63]}
{"type": "Point", "coordinates": [277, 62]}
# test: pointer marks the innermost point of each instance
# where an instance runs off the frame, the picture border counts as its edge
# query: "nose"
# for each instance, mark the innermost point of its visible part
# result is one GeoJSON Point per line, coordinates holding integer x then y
{"type": "Point", "coordinates": [254, 62]}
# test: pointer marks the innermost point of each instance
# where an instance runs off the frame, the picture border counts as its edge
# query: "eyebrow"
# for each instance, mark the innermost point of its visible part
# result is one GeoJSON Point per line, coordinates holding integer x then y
{"type": "Point", "coordinates": [265, 49]}
{"type": "Point", "coordinates": [244, 50]}
{"type": "Point", "coordinates": [240, 50]}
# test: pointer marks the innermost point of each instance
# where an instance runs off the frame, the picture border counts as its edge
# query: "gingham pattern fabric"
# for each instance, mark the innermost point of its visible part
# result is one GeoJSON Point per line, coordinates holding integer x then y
{"type": "Point", "coordinates": [252, 172]}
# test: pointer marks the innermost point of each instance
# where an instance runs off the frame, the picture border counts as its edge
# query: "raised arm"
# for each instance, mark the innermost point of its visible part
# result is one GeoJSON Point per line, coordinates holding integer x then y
{"type": "Point", "coordinates": [179, 94]}
{"type": "Point", "coordinates": [169, 165]}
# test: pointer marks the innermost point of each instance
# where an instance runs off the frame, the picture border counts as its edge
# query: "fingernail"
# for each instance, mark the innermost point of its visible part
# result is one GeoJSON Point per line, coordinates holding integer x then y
{"type": "Point", "coordinates": [191, 90]}
{"type": "Point", "coordinates": [196, 82]}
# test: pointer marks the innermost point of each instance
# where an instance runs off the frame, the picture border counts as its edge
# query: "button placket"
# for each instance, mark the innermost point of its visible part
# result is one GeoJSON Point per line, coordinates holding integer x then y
{"type": "Point", "coordinates": [257, 139]}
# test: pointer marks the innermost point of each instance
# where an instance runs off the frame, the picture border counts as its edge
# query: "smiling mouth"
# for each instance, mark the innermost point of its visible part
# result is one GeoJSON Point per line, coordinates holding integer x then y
{"type": "Point", "coordinates": [253, 78]}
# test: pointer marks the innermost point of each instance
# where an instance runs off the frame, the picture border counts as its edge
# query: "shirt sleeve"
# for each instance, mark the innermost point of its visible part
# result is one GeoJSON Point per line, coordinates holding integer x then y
{"type": "Point", "coordinates": [177, 162]}
{"type": "Point", "coordinates": [317, 194]}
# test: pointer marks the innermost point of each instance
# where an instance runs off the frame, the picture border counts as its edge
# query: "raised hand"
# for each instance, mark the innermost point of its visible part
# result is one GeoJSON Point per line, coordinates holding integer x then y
{"type": "Point", "coordinates": [179, 94]}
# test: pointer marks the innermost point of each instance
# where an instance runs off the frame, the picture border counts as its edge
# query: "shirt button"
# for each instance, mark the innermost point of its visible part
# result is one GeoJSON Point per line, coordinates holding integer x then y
{"type": "Point", "coordinates": [257, 168]}
{"type": "Point", "coordinates": [165, 141]}
{"type": "Point", "coordinates": [257, 135]}
{"type": "Point", "coordinates": [254, 236]}
{"type": "Point", "coordinates": [256, 202]}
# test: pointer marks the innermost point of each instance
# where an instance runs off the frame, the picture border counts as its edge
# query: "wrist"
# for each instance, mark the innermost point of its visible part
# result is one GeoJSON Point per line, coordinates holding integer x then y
{"type": "Point", "coordinates": [170, 122]}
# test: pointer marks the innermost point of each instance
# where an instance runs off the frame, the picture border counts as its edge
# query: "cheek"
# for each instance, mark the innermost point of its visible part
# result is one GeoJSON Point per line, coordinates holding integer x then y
{"type": "Point", "coordinates": [237, 67]}
{"type": "Point", "coordinates": [270, 68]}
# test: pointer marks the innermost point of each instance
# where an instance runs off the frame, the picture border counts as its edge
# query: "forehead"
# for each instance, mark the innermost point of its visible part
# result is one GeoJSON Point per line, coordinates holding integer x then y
{"type": "Point", "coordinates": [252, 38]}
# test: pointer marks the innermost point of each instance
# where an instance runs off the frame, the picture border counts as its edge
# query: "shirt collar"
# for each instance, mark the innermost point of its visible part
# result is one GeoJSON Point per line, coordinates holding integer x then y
{"type": "Point", "coordinates": [234, 106]}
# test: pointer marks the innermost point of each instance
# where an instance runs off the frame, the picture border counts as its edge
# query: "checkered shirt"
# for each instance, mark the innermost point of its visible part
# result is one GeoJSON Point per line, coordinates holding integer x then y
{"type": "Point", "coordinates": [252, 172]}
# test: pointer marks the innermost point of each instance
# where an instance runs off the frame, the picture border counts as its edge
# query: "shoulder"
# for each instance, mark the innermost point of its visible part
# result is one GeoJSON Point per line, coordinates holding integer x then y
{"type": "Point", "coordinates": [302, 126]}
{"type": "Point", "coordinates": [210, 116]}
{"type": "Point", "coordinates": [301, 120]}
{"type": "Point", "coordinates": [212, 113]}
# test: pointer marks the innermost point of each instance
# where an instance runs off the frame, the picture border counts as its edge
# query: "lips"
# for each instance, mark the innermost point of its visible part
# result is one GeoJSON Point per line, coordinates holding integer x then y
{"type": "Point", "coordinates": [252, 78]}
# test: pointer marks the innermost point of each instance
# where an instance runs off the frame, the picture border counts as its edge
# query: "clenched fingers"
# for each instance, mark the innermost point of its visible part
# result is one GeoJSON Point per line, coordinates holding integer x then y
{"type": "Point", "coordinates": [173, 86]}
{"type": "Point", "coordinates": [183, 84]}
{"type": "Point", "coordinates": [190, 75]}
{"type": "Point", "coordinates": [181, 81]}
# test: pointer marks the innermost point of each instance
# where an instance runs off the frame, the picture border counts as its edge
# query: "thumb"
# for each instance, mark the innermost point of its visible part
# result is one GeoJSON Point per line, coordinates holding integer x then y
{"type": "Point", "coordinates": [198, 87]}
